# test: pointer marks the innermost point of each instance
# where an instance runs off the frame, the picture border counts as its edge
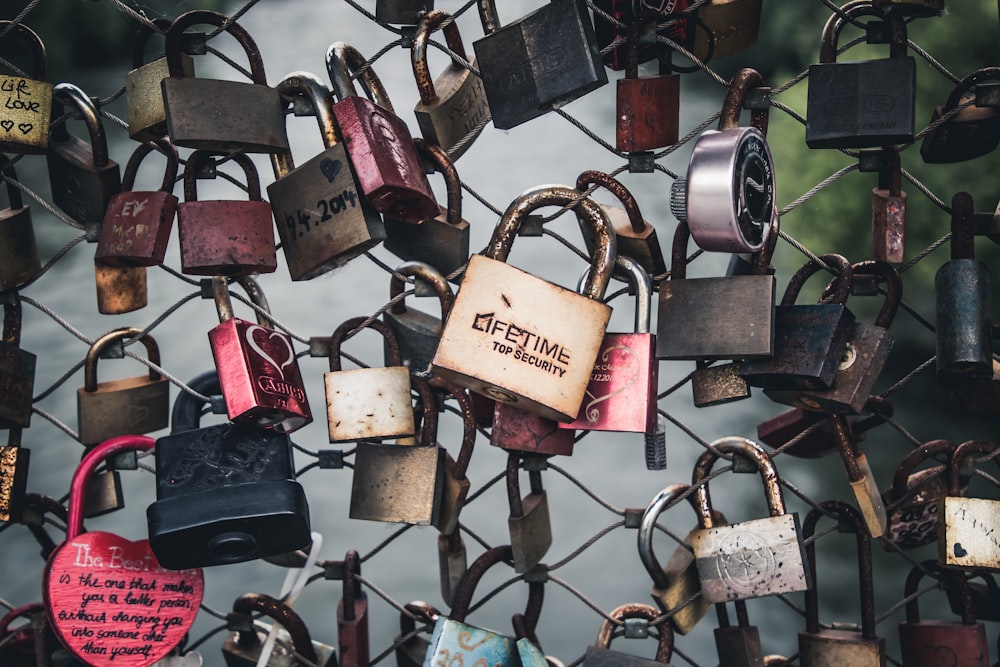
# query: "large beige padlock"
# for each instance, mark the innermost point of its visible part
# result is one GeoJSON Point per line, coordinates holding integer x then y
{"type": "Point", "coordinates": [519, 339]}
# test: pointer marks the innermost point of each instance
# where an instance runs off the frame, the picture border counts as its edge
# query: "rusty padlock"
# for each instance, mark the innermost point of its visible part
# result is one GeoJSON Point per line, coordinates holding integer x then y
{"type": "Point", "coordinates": [647, 109]}
{"type": "Point", "coordinates": [913, 499]}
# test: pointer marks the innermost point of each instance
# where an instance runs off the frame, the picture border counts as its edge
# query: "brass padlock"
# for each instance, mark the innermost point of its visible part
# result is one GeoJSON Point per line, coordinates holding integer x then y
{"type": "Point", "coordinates": [860, 478]}
{"type": "Point", "coordinates": [14, 461]}
{"type": "Point", "coordinates": [453, 107]}
{"type": "Point", "coordinates": [19, 261]}
{"type": "Point", "coordinates": [528, 524]}
{"type": "Point", "coordinates": [417, 332]}
{"type": "Point", "coordinates": [127, 406]}
{"type": "Point", "coordinates": [966, 539]}
{"type": "Point", "coordinates": [147, 119]}
{"type": "Point", "coordinates": [17, 368]}
{"type": "Point", "coordinates": [637, 619]}
{"type": "Point", "coordinates": [732, 26]}
{"type": "Point", "coordinates": [120, 289]}
{"type": "Point", "coordinates": [913, 500]}
{"type": "Point", "coordinates": [973, 131]}
{"type": "Point", "coordinates": [27, 100]}
{"type": "Point", "coordinates": [103, 493]}
{"type": "Point", "coordinates": [243, 645]}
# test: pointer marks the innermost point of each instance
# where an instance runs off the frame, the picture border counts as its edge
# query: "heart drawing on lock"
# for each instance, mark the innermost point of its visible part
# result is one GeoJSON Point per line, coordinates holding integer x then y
{"type": "Point", "coordinates": [270, 334]}
{"type": "Point", "coordinates": [624, 368]}
{"type": "Point", "coordinates": [111, 604]}
{"type": "Point", "coordinates": [25, 127]}
{"type": "Point", "coordinates": [7, 125]}
{"type": "Point", "coordinates": [330, 168]}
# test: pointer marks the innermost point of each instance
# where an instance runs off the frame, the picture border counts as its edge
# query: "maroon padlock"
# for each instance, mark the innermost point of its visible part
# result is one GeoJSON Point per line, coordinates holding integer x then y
{"type": "Point", "coordinates": [137, 225]}
{"type": "Point", "coordinates": [648, 108]}
{"type": "Point", "coordinates": [352, 616]}
{"type": "Point", "coordinates": [521, 431]}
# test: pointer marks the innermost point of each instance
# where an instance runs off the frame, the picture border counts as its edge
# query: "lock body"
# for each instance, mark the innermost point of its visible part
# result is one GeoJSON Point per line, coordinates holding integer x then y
{"type": "Point", "coordinates": [14, 462]}
{"type": "Point", "coordinates": [734, 25]}
{"type": "Point", "coordinates": [436, 241]}
{"type": "Point", "coordinates": [124, 406]}
{"type": "Point", "coordinates": [963, 540]}
{"type": "Point", "coordinates": [80, 187]}
{"type": "Point", "coordinates": [530, 532]}
{"type": "Point", "coordinates": [401, 12]}
{"type": "Point", "coordinates": [940, 643]}
{"type": "Point", "coordinates": [517, 430]}
{"type": "Point", "coordinates": [136, 229]}
{"type": "Point", "coordinates": [351, 394]}
{"type": "Point", "coordinates": [27, 100]}
{"type": "Point", "coordinates": [17, 371]}
{"type": "Point", "coordinates": [397, 483]}
{"type": "Point", "coordinates": [147, 118]}
{"type": "Point", "coordinates": [648, 113]}
{"type": "Point", "coordinates": [120, 289]}
{"type": "Point", "coordinates": [718, 384]}
{"type": "Point", "coordinates": [964, 340]}
{"type": "Point", "coordinates": [226, 237]}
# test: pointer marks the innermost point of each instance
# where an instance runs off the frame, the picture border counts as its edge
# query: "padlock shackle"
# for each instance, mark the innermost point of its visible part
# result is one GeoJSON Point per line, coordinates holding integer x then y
{"type": "Point", "coordinates": [739, 446]}
{"type": "Point", "coordinates": [9, 176]}
{"type": "Point", "coordinates": [444, 165]}
{"type": "Point", "coordinates": [852, 10]}
{"type": "Point", "coordinates": [429, 425]}
{"type": "Point", "coordinates": [78, 486]}
{"type": "Point", "coordinates": [967, 83]}
{"type": "Point", "coordinates": [963, 226]}
{"type": "Point", "coordinates": [742, 82]}
{"type": "Point", "coordinates": [640, 281]}
{"type": "Point", "coordinates": [173, 40]}
{"type": "Point", "coordinates": [199, 157]}
{"type": "Point", "coordinates": [428, 274]}
{"type": "Point", "coordinates": [352, 585]}
{"type": "Point", "coordinates": [893, 288]}
{"type": "Point", "coordinates": [280, 612]}
{"type": "Point", "coordinates": [36, 46]}
{"type": "Point", "coordinates": [138, 155]}
{"type": "Point", "coordinates": [468, 424]}
{"type": "Point", "coordinates": [665, 647]}
{"type": "Point", "coordinates": [420, 609]}
{"type": "Point", "coordinates": [958, 459]}
{"type": "Point", "coordinates": [113, 336]}
{"type": "Point", "coordinates": [913, 458]}
{"type": "Point", "coordinates": [955, 578]}
{"type": "Point", "coordinates": [257, 298]}
{"type": "Point", "coordinates": [141, 39]}
{"type": "Point", "coordinates": [342, 61]}
{"type": "Point", "coordinates": [186, 413]}
{"type": "Point", "coordinates": [647, 527]}
{"type": "Point", "coordinates": [311, 87]}
{"type": "Point", "coordinates": [224, 303]}
{"type": "Point", "coordinates": [618, 189]}
{"type": "Point", "coordinates": [844, 280]}
{"type": "Point", "coordinates": [430, 22]}
{"type": "Point", "coordinates": [12, 320]}
{"type": "Point", "coordinates": [605, 244]}
{"type": "Point", "coordinates": [488, 16]}
{"type": "Point", "coordinates": [393, 354]}
{"type": "Point", "coordinates": [462, 598]}
{"type": "Point", "coordinates": [68, 93]}
{"type": "Point", "coordinates": [864, 555]}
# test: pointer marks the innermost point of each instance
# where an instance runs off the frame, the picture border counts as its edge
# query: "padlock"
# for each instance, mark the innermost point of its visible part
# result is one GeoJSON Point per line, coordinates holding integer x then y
{"type": "Point", "coordinates": [646, 19]}
{"type": "Point", "coordinates": [139, 581]}
{"type": "Point", "coordinates": [727, 198]}
{"type": "Point", "coordinates": [918, 8]}
{"type": "Point", "coordinates": [133, 405]}
{"type": "Point", "coordinates": [452, 108]}
{"type": "Point", "coordinates": [637, 619]}
{"type": "Point", "coordinates": [224, 236]}
{"type": "Point", "coordinates": [717, 384]}
{"type": "Point", "coordinates": [17, 369]}
{"type": "Point", "coordinates": [81, 175]}
{"type": "Point", "coordinates": [737, 645]}
{"type": "Point", "coordinates": [215, 114]}
{"type": "Point", "coordinates": [539, 62]}
{"type": "Point", "coordinates": [452, 563]}
{"type": "Point", "coordinates": [441, 241]}
{"type": "Point", "coordinates": [972, 132]}
{"type": "Point", "coordinates": [809, 340]}
{"type": "Point", "coordinates": [323, 219]}
{"type": "Point", "coordinates": [242, 648]}
{"type": "Point", "coordinates": [409, 646]}
{"type": "Point", "coordinates": [621, 395]}
{"type": "Point", "coordinates": [147, 119]}
{"type": "Point", "coordinates": [635, 237]}
{"type": "Point", "coordinates": [455, 485]}
{"type": "Point", "coordinates": [860, 477]}
{"type": "Point", "coordinates": [752, 558]}
{"type": "Point", "coordinates": [731, 26]}
{"type": "Point", "coordinates": [514, 429]}
{"type": "Point", "coordinates": [866, 103]}
{"type": "Point", "coordinates": [537, 353]}
{"type": "Point", "coordinates": [824, 647]}
{"type": "Point", "coordinates": [379, 144]}
{"type": "Point", "coordinates": [401, 12]}
{"type": "Point", "coordinates": [137, 225]}
{"type": "Point", "coordinates": [103, 493]}
{"type": "Point", "coordinates": [14, 462]}
{"type": "Point", "coordinates": [730, 317]}
{"type": "Point", "coordinates": [677, 583]}
{"type": "Point", "coordinates": [417, 333]}
{"type": "Point", "coordinates": [963, 296]}
{"type": "Point", "coordinates": [352, 616]}
{"type": "Point", "coordinates": [401, 483]}
{"type": "Point", "coordinates": [19, 261]}
{"type": "Point", "coordinates": [888, 210]}
{"type": "Point", "coordinates": [351, 394]}
{"type": "Point", "coordinates": [934, 643]}
{"type": "Point", "coordinates": [27, 100]}
{"type": "Point", "coordinates": [18, 646]}
{"type": "Point", "coordinates": [864, 357]}
{"type": "Point", "coordinates": [966, 538]}
{"type": "Point", "coordinates": [120, 289]}
{"type": "Point", "coordinates": [259, 372]}
{"type": "Point", "coordinates": [647, 109]}
{"type": "Point", "coordinates": [913, 499]}
{"type": "Point", "coordinates": [528, 523]}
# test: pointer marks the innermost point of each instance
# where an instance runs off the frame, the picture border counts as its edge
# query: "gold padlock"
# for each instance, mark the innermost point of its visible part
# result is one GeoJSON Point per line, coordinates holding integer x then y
{"type": "Point", "coordinates": [25, 101]}
{"type": "Point", "coordinates": [147, 120]}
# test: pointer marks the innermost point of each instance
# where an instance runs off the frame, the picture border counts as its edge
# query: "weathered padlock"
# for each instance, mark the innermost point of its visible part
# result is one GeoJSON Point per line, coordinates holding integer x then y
{"type": "Point", "coordinates": [635, 236]}
{"type": "Point", "coordinates": [17, 369]}
{"type": "Point", "coordinates": [528, 523]}
{"type": "Point", "coordinates": [351, 394]}
{"type": "Point", "coordinates": [452, 107]}
{"type": "Point", "coordinates": [401, 483]}
{"type": "Point", "coordinates": [637, 619]}
{"type": "Point", "coordinates": [242, 648]}
{"type": "Point", "coordinates": [409, 646]}
{"type": "Point", "coordinates": [676, 583]}
{"type": "Point", "coordinates": [966, 537]}
{"type": "Point", "coordinates": [888, 209]}
{"type": "Point", "coordinates": [443, 240]}
{"type": "Point", "coordinates": [453, 563]}
{"type": "Point", "coordinates": [517, 430]}
{"type": "Point", "coordinates": [727, 198]}
{"type": "Point", "coordinates": [645, 18]}
{"type": "Point", "coordinates": [133, 405]}
{"type": "Point", "coordinates": [752, 558]}
{"type": "Point", "coordinates": [323, 219]}
{"type": "Point", "coordinates": [809, 340]}
{"type": "Point", "coordinates": [539, 62]}
{"type": "Point", "coordinates": [352, 616]}
{"type": "Point", "coordinates": [379, 144]}
{"type": "Point", "coordinates": [257, 367]}
{"type": "Point", "coordinates": [824, 647]}
{"type": "Point", "coordinates": [866, 103]}
{"type": "Point", "coordinates": [717, 384]}
{"type": "Point", "coordinates": [120, 289]}
{"type": "Point", "coordinates": [731, 317]}
{"type": "Point", "coordinates": [14, 462]}
{"type": "Point", "coordinates": [732, 26]}
{"type": "Point", "coordinates": [536, 352]}
{"type": "Point", "coordinates": [147, 119]}
{"type": "Point", "coordinates": [919, 8]}
{"type": "Point", "coordinates": [27, 100]}
{"type": "Point", "coordinates": [81, 175]}
{"type": "Point", "coordinates": [860, 477]}
{"type": "Point", "coordinates": [864, 357]}
{"type": "Point", "coordinates": [216, 114]}
{"type": "Point", "coordinates": [913, 500]}
{"type": "Point", "coordinates": [402, 12]}
{"type": "Point", "coordinates": [455, 485]}
{"type": "Point", "coordinates": [19, 260]}
{"type": "Point", "coordinates": [935, 643]}
{"type": "Point", "coordinates": [972, 132]}
{"type": "Point", "coordinates": [621, 395]}
{"type": "Point", "coordinates": [137, 225]}
{"type": "Point", "coordinates": [225, 493]}
{"type": "Point", "coordinates": [417, 333]}
{"type": "Point", "coordinates": [963, 295]}
{"type": "Point", "coordinates": [647, 109]}
{"type": "Point", "coordinates": [737, 645]}
{"type": "Point", "coordinates": [224, 236]}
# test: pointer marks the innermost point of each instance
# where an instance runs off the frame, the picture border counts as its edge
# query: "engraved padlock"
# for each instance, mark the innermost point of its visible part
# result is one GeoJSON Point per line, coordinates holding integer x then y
{"type": "Point", "coordinates": [146, 116]}
{"type": "Point", "coordinates": [417, 332]}
{"type": "Point", "coordinates": [27, 100]}
{"type": "Point", "coordinates": [972, 132]}
{"type": "Point", "coordinates": [243, 646]}
{"type": "Point", "coordinates": [528, 523]}
{"type": "Point", "coordinates": [966, 538]}
{"type": "Point", "coordinates": [17, 369]}
{"type": "Point", "coordinates": [637, 619]}
{"type": "Point", "coordinates": [913, 500]}
{"type": "Point", "coordinates": [19, 260]}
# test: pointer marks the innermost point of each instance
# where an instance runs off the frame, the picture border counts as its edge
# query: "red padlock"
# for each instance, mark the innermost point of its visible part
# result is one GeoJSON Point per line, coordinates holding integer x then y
{"type": "Point", "coordinates": [648, 108]}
